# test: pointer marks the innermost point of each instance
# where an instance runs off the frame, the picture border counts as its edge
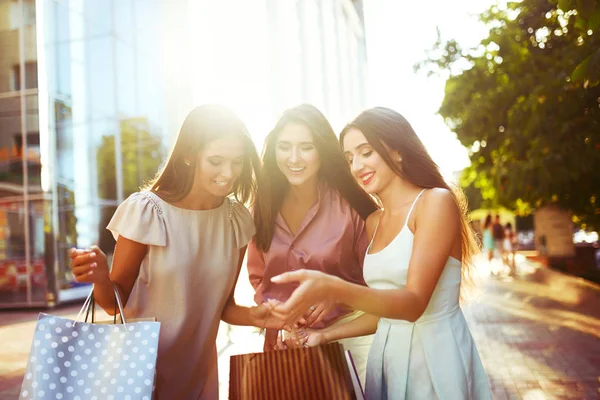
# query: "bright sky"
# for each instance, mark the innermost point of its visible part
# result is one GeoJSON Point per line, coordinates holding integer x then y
{"type": "Point", "coordinates": [398, 35]}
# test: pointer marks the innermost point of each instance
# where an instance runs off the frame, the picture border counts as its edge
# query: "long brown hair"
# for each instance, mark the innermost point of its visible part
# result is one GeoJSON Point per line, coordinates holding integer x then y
{"type": "Point", "coordinates": [203, 125]}
{"type": "Point", "coordinates": [334, 171]}
{"type": "Point", "coordinates": [388, 131]}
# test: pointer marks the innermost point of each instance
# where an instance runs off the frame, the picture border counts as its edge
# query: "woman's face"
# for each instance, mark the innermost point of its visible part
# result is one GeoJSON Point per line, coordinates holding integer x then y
{"type": "Point", "coordinates": [219, 165]}
{"type": "Point", "coordinates": [296, 154]}
{"type": "Point", "coordinates": [367, 166]}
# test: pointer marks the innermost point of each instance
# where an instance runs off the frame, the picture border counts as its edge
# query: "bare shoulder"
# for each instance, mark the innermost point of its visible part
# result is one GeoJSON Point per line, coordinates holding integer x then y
{"type": "Point", "coordinates": [371, 222]}
{"type": "Point", "coordinates": [439, 202]}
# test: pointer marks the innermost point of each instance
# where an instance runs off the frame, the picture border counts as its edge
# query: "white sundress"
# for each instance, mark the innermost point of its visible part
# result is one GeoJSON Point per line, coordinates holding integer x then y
{"type": "Point", "coordinates": [432, 358]}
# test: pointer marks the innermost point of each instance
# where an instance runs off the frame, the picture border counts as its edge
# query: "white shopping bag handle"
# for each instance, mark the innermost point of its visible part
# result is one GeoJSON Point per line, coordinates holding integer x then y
{"type": "Point", "coordinates": [90, 302]}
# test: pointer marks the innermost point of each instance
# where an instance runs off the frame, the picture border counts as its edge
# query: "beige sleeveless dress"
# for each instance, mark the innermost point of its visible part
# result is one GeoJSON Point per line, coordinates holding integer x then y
{"type": "Point", "coordinates": [184, 281]}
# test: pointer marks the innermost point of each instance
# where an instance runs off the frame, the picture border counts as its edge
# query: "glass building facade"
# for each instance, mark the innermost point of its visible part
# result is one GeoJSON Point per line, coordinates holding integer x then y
{"type": "Point", "coordinates": [92, 93]}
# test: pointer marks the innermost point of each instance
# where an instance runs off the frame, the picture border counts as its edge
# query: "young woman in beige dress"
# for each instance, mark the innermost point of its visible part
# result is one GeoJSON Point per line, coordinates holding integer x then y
{"type": "Point", "coordinates": [180, 245]}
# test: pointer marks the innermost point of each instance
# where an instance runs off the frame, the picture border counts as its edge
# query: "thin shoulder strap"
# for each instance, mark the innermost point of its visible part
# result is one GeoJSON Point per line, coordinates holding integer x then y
{"type": "Point", "coordinates": [375, 232]}
{"type": "Point", "coordinates": [413, 206]}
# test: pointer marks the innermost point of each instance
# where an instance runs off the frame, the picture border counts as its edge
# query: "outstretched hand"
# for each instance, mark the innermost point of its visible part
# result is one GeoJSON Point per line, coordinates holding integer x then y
{"type": "Point", "coordinates": [315, 289]}
{"type": "Point", "coordinates": [265, 318]}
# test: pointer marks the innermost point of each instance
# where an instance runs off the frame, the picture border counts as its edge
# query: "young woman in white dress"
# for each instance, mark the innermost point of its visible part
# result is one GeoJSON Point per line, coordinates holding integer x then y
{"type": "Point", "coordinates": [421, 247]}
{"type": "Point", "coordinates": [180, 245]}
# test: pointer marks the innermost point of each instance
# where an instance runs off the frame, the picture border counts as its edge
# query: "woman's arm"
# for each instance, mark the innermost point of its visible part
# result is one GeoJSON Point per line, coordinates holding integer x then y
{"type": "Point", "coordinates": [92, 266]}
{"type": "Point", "coordinates": [256, 268]}
{"type": "Point", "coordinates": [260, 316]}
{"type": "Point", "coordinates": [431, 248]}
{"type": "Point", "coordinates": [366, 324]}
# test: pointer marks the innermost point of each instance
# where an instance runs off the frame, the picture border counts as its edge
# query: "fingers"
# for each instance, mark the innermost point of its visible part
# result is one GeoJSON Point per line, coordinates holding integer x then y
{"type": "Point", "coordinates": [279, 345]}
{"type": "Point", "coordinates": [85, 264]}
{"type": "Point", "coordinates": [290, 314]}
{"type": "Point", "coordinates": [314, 314]}
{"type": "Point", "coordinates": [295, 340]}
{"type": "Point", "coordinates": [287, 317]}
{"type": "Point", "coordinates": [327, 308]}
{"type": "Point", "coordinates": [317, 315]}
{"type": "Point", "coordinates": [97, 250]}
{"type": "Point", "coordinates": [320, 318]}
{"type": "Point", "coordinates": [295, 276]}
{"type": "Point", "coordinates": [82, 257]}
{"type": "Point", "coordinates": [86, 269]}
{"type": "Point", "coordinates": [82, 271]}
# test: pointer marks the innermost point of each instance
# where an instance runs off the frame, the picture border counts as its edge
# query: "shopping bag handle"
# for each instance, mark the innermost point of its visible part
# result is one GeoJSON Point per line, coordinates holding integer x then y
{"type": "Point", "coordinates": [90, 304]}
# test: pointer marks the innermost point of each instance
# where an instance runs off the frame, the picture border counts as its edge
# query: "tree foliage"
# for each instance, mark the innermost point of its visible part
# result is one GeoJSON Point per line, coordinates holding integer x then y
{"type": "Point", "coordinates": [526, 103]}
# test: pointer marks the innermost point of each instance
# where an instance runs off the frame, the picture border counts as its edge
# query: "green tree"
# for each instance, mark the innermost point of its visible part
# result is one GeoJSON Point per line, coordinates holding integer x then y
{"type": "Point", "coordinates": [142, 153]}
{"type": "Point", "coordinates": [527, 104]}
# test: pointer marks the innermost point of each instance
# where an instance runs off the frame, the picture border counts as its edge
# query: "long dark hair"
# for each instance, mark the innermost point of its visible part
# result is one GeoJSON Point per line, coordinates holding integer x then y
{"type": "Point", "coordinates": [488, 221]}
{"type": "Point", "coordinates": [334, 171]}
{"type": "Point", "coordinates": [387, 131]}
{"type": "Point", "coordinates": [203, 125]}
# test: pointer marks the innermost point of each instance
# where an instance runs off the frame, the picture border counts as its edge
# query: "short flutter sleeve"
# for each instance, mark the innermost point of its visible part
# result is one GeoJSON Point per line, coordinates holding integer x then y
{"type": "Point", "coordinates": [140, 218]}
{"type": "Point", "coordinates": [242, 223]}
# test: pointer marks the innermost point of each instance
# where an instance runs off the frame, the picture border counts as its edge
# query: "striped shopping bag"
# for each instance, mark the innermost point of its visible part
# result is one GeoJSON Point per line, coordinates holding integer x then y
{"type": "Point", "coordinates": [314, 373]}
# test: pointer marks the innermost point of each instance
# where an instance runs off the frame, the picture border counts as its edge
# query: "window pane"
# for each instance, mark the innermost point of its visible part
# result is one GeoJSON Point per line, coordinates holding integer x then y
{"type": "Point", "coordinates": [11, 165]}
{"type": "Point", "coordinates": [9, 44]}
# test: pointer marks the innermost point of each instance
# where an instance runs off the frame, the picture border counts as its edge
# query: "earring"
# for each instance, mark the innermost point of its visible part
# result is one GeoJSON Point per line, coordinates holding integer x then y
{"type": "Point", "coordinates": [399, 159]}
{"type": "Point", "coordinates": [186, 162]}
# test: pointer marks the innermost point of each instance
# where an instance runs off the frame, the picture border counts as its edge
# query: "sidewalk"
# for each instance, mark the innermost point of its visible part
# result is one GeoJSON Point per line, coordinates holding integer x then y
{"type": "Point", "coordinates": [538, 336]}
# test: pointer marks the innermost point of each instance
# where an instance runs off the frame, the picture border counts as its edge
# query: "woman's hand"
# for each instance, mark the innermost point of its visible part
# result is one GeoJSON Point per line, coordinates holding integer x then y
{"type": "Point", "coordinates": [315, 289]}
{"type": "Point", "coordinates": [89, 265]}
{"type": "Point", "coordinates": [300, 338]}
{"type": "Point", "coordinates": [316, 313]}
{"type": "Point", "coordinates": [315, 337]}
{"type": "Point", "coordinates": [295, 339]}
{"type": "Point", "coordinates": [263, 316]}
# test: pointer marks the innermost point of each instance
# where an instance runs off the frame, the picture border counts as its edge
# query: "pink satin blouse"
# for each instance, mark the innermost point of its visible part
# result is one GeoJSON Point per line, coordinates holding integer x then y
{"type": "Point", "coordinates": [331, 239]}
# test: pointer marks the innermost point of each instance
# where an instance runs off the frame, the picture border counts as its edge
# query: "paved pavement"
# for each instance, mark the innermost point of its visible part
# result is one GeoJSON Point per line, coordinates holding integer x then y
{"type": "Point", "coordinates": [538, 336]}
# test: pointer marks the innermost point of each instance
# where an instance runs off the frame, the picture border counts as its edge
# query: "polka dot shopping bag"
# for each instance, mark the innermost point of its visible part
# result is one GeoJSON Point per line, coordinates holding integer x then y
{"type": "Point", "coordinates": [70, 359]}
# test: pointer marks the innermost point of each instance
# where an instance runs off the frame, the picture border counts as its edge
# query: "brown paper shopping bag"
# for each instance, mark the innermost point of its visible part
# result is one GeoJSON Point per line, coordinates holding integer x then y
{"type": "Point", "coordinates": [308, 373]}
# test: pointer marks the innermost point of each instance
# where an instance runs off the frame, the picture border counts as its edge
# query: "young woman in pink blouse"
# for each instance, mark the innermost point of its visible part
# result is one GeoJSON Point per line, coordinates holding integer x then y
{"type": "Point", "coordinates": [309, 214]}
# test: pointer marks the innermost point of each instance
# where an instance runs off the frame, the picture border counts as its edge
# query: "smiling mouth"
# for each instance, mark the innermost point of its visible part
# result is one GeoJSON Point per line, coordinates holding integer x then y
{"type": "Point", "coordinates": [296, 170]}
{"type": "Point", "coordinates": [367, 178]}
{"type": "Point", "coordinates": [222, 183]}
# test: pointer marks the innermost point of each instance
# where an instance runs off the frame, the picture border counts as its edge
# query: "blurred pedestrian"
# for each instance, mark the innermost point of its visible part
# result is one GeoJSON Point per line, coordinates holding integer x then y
{"type": "Point", "coordinates": [488, 238]}
{"type": "Point", "coordinates": [498, 233]}
{"type": "Point", "coordinates": [510, 247]}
